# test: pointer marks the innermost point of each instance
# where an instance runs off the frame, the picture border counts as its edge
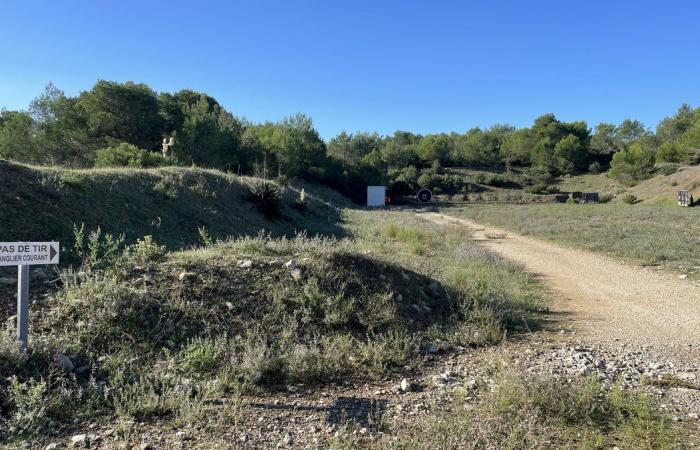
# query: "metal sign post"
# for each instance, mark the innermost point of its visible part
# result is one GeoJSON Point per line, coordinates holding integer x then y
{"type": "Point", "coordinates": [23, 306]}
{"type": "Point", "coordinates": [23, 255]}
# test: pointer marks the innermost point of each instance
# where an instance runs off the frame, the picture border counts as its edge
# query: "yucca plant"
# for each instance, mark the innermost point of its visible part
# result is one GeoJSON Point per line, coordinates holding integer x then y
{"type": "Point", "coordinates": [267, 196]}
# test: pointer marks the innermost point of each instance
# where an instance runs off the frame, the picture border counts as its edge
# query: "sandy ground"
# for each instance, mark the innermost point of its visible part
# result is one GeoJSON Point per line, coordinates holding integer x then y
{"type": "Point", "coordinates": [606, 301]}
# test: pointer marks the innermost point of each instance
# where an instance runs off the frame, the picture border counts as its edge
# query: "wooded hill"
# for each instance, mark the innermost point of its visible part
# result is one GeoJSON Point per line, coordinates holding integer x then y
{"type": "Point", "coordinates": [129, 124]}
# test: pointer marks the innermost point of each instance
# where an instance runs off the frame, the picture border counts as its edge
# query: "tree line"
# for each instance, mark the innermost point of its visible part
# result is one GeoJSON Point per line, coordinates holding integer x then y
{"type": "Point", "coordinates": [130, 124]}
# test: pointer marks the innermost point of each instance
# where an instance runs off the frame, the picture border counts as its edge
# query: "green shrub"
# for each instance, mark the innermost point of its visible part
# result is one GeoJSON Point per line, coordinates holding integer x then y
{"type": "Point", "coordinates": [668, 169]}
{"type": "Point", "coordinates": [127, 155]}
{"type": "Point", "coordinates": [594, 167]}
{"type": "Point", "coordinates": [629, 199]}
{"type": "Point", "coordinates": [97, 251]}
{"type": "Point", "coordinates": [605, 198]}
{"type": "Point", "coordinates": [632, 164]}
{"type": "Point", "coordinates": [552, 189]}
{"type": "Point", "coordinates": [671, 153]}
{"type": "Point", "coordinates": [267, 196]}
{"type": "Point", "coordinates": [537, 188]}
{"type": "Point", "coordinates": [146, 250]}
{"type": "Point", "coordinates": [202, 356]}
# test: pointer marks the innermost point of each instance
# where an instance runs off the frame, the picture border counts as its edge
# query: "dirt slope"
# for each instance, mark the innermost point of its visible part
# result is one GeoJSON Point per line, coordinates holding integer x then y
{"type": "Point", "coordinates": [608, 301]}
{"type": "Point", "coordinates": [666, 187]}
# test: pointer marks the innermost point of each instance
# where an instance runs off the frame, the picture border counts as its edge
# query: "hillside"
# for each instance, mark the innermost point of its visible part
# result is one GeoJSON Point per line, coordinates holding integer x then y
{"type": "Point", "coordinates": [171, 204]}
{"type": "Point", "coordinates": [664, 188]}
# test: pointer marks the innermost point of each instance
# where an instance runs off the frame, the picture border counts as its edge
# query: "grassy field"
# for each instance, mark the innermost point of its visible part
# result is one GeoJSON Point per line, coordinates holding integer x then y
{"type": "Point", "coordinates": [590, 183]}
{"type": "Point", "coordinates": [644, 234]}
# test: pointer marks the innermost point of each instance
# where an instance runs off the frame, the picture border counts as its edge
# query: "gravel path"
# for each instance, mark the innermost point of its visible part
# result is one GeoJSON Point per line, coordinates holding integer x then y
{"type": "Point", "coordinates": [607, 301]}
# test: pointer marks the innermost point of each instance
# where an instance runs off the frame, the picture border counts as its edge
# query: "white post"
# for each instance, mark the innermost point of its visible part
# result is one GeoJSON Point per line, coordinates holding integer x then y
{"type": "Point", "coordinates": [23, 307]}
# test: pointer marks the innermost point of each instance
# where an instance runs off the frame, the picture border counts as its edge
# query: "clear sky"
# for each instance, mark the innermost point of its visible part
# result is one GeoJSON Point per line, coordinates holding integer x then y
{"type": "Point", "coordinates": [423, 66]}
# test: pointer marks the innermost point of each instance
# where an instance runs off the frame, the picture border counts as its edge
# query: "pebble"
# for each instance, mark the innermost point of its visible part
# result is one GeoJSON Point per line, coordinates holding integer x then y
{"type": "Point", "coordinates": [244, 264]}
{"type": "Point", "coordinates": [186, 276]}
{"type": "Point", "coordinates": [78, 439]}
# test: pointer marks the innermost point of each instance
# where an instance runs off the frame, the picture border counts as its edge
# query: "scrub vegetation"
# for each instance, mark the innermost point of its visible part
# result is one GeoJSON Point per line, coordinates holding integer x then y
{"type": "Point", "coordinates": [644, 233]}
{"type": "Point", "coordinates": [179, 325]}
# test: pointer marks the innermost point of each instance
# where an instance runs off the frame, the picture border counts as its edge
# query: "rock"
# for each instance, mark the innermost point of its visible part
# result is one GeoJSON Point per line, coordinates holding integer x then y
{"type": "Point", "coordinates": [438, 348]}
{"type": "Point", "coordinates": [181, 435]}
{"type": "Point", "coordinates": [52, 446]}
{"type": "Point", "coordinates": [656, 366]}
{"type": "Point", "coordinates": [434, 289]}
{"type": "Point", "coordinates": [683, 276]}
{"type": "Point", "coordinates": [399, 297]}
{"type": "Point", "coordinates": [187, 277]}
{"type": "Point", "coordinates": [64, 362]}
{"type": "Point", "coordinates": [406, 385]}
{"type": "Point", "coordinates": [287, 439]}
{"type": "Point", "coordinates": [444, 347]}
{"type": "Point", "coordinates": [185, 387]}
{"type": "Point", "coordinates": [292, 389]}
{"type": "Point", "coordinates": [291, 264]}
{"type": "Point", "coordinates": [444, 379]}
{"type": "Point", "coordinates": [244, 264]}
{"type": "Point", "coordinates": [78, 439]}
{"type": "Point", "coordinates": [229, 305]}
{"type": "Point", "coordinates": [471, 384]}
{"type": "Point", "coordinates": [146, 446]}
{"type": "Point", "coordinates": [296, 274]}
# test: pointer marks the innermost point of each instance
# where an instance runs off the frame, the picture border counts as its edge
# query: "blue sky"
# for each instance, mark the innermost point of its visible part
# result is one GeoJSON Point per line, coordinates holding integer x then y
{"type": "Point", "coordinates": [425, 66]}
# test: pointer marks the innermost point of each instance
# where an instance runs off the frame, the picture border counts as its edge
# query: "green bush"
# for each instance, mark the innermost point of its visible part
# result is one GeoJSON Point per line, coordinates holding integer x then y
{"type": "Point", "coordinates": [668, 169]}
{"type": "Point", "coordinates": [127, 155]}
{"type": "Point", "coordinates": [629, 199]}
{"type": "Point", "coordinates": [671, 153]}
{"type": "Point", "coordinates": [552, 189]}
{"type": "Point", "coordinates": [537, 188]}
{"type": "Point", "coordinates": [605, 198]}
{"type": "Point", "coordinates": [267, 196]}
{"type": "Point", "coordinates": [632, 164]}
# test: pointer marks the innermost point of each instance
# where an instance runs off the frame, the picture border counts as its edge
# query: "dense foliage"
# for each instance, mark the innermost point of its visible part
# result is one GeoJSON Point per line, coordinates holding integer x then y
{"type": "Point", "coordinates": [188, 127]}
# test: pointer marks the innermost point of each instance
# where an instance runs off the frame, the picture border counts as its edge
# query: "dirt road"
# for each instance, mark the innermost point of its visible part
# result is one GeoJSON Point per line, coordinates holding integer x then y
{"type": "Point", "coordinates": [607, 301]}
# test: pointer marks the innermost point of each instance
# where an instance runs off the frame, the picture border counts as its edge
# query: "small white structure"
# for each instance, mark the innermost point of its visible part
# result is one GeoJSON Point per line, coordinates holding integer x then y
{"type": "Point", "coordinates": [376, 195]}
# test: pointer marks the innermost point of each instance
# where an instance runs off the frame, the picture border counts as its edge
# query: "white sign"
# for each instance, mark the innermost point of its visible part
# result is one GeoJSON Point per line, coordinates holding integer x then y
{"type": "Point", "coordinates": [28, 253]}
{"type": "Point", "coordinates": [376, 195]}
